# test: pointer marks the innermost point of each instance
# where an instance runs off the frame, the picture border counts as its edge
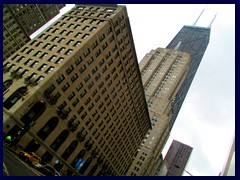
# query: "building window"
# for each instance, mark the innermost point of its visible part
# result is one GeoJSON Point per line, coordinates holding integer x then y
{"type": "Point", "coordinates": [69, 51]}
{"type": "Point", "coordinates": [60, 79]}
{"type": "Point", "coordinates": [69, 150]}
{"type": "Point", "coordinates": [42, 67]}
{"type": "Point", "coordinates": [65, 87]}
{"type": "Point", "coordinates": [52, 58]}
{"type": "Point", "coordinates": [74, 77]}
{"type": "Point", "coordinates": [59, 60]}
{"type": "Point", "coordinates": [59, 140]}
{"type": "Point", "coordinates": [49, 70]}
{"type": "Point", "coordinates": [34, 64]}
{"type": "Point", "coordinates": [71, 96]}
{"type": "Point", "coordinates": [85, 36]}
{"type": "Point", "coordinates": [48, 128]}
{"type": "Point", "coordinates": [78, 60]}
{"type": "Point", "coordinates": [69, 70]}
{"type": "Point", "coordinates": [75, 102]}
{"type": "Point", "coordinates": [78, 34]}
{"type": "Point", "coordinates": [31, 116]}
{"type": "Point", "coordinates": [77, 43]}
{"type": "Point", "coordinates": [102, 37]}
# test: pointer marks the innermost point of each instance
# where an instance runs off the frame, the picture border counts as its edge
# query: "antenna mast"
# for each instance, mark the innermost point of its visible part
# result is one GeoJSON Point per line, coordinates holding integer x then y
{"type": "Point", "coordinates": [212, 20]}
{"type": "Point", "coordinates": [198, 17]}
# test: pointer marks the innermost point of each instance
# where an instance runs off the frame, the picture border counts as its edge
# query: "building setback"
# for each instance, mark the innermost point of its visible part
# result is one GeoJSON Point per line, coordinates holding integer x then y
{"type": "Point", "coordinates": [76, 89]}
{"type": "Point", "coordinates": [177, 157]}
{"type": "Point", "coordinates": [166, 91]}
{"type": "Point", "coordinates": [22, 20]}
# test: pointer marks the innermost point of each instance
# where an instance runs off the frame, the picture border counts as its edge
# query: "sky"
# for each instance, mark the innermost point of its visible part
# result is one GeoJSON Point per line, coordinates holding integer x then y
{"type": "Point", "coordinates": [206, 120]}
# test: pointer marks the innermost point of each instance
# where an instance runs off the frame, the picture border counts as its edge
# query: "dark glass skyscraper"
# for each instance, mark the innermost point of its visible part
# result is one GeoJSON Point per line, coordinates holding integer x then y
{"type": "Point", "coordinates": [193, 40]}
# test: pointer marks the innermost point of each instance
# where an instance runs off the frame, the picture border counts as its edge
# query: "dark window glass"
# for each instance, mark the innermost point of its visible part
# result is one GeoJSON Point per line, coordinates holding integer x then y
{"type": "Point", "coordinates": [48, 128]}
{"type": "Point", "coordinates": [59, 140]}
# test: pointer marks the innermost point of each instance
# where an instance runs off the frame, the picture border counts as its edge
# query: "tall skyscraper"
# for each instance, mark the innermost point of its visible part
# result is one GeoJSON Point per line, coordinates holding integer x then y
{"type": "Point", "coordinates": [167, 75]}
{"type": "Point", "coordinates": [21, 20]}
{"type": "Point", "coordinates": [76, 91]}
{"type": "Point", "coordinates": [193, 40]}
{"type": "Point", "coordinates": [177, 157]}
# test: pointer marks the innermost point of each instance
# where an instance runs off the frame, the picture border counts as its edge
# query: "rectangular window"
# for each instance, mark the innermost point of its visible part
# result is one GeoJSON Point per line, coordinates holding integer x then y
{"type": "Point", "coordinates": [82, 69]}
{"type": "Point", "coordinates": [74, 77]}
{"type": "Point", "coordinates": [87, 78]}
{"type": "Point", "coordinates": [46, 46]}
{"type": "Point", "coordinates": [86, 53]}
{"type": "Point", "coordinates": [59, 60]}
{"type": "Point", "coordinates": [97, 53]}
{"type": "Point", "coordinates": [34, 64]}
{"type": "Point", "coordinates": [60, 79]}
{"type": "Point", "coordinates": [38, 80]}
{"type": "Point", "coordinates": [85, 36]}
{"type": "Point", "coordinates": [71, 96]}
{"type": "Point", "coordinates": [77, 26]}
{"type": "Point", "coordinates": [78, 60]}
{"type": "Point", "coordinates": [44, 55]}
{"type": "Point", "coordinates": [77, 43]}
{"type": "Point", "coordinates": [102, 37]}
{"type": "Point", "coordinates": [49, 70]}
{"type": "Point", "coordinates": [37, 53]}
{"type": "Point", "coordinates": [104, 46]}
{"type": "Point", "coordinates": [61, 40]}
{"type": "Point", "coordinates": [93, 29]}
{"type": "Point", "coordinates": [75, 102]}
{"type": "Point", "coordinates": [61, 50]}
{"type": "Point", "coordinates": [70, 42]}
{"type": "Point", "coordinates": [78, 34]}
{"type": "Point", "coordinates": [69, 70]}
{"type": "Point", "coordinates": [65, 87]}
{"type": "Point", "coordinates": [79, 87]}
{"type": "Point", "coordinates": [52, 48]}
{"type": "Point", "coordinates": [80, 110]}
{"type": "Point", "coordinates": [69, 51]}
{"type": "Point", "coordinates": [94, 45]}
{"type": "Point", "coordinates": [52, 58]}
{"type": "Point", "coordinates": [85, 28]}
{"type": "Point", "coordinates": [42, 67]}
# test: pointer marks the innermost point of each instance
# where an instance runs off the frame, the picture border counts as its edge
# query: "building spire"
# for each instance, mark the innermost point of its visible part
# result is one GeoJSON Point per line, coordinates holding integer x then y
{"type": "Point", "coordinates": [199, 16]}
{"type": "Point", "coordinates": [212, 20]}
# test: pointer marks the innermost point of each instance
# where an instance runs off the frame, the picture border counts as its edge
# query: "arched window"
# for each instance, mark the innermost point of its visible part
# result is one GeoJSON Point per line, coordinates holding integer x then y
{"type": "Point", "coordinates": [32, 146]}
{"type": "Point", "coordinates": [31, 116]}
{"type": "Point", "coordinates": [47, 157]}
{"type": "Point", "coordinates": [92, 171]}
{"type": "Point", "coordinates": [85, 165]}
{"type": "Point", "coordinates": [59, 140]}
{"type": "Point", "coordinates": [69, 150]}
{"type": "Point", "coordinates": [80, 155]}
{"type": "Point", "coordinates": [48, 128]}
{"type": "Point", "coordinates": [14, 97]}
{"type": "Point", "coordinates": [7, 84]}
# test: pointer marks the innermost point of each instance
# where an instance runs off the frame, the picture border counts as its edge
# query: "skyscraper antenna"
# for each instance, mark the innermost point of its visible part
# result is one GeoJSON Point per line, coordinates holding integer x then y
{"type": "Point", "coordinates": [199, 16]}
{"type": "Point", "coordinates": [212, 20]}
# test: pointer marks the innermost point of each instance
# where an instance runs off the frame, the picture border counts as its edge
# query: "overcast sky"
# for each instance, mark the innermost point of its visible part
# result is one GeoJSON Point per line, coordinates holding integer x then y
{"type": "Point", "coordinates": [206, 120]}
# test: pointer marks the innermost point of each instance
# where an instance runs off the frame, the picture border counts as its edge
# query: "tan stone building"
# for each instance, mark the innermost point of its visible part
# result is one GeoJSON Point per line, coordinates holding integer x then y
{"type": "Point", "coordinates": [21, 20]}
{"type": "Point", "coordinates": [163, 71]}
{"type": "Point", "coordinates": [76, 89]}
